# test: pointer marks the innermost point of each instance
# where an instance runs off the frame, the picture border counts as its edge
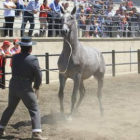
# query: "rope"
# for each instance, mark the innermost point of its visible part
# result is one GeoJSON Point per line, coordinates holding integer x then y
{"type": "Point", "coordinates": [62, 72]}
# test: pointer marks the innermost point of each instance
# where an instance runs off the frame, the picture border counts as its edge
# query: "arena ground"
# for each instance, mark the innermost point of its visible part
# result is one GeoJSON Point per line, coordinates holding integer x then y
{"type": "Point", "coordinates": [121, 121]}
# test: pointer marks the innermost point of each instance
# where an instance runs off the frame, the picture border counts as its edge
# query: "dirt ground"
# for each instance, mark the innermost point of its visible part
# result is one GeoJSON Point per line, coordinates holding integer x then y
{"type": "Point", "coordinates": [121, 121]}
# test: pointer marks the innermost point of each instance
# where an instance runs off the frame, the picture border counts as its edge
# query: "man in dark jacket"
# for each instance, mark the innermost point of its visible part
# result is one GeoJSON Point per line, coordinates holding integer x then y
{"type": "Point", "coordinates": [25, 69]}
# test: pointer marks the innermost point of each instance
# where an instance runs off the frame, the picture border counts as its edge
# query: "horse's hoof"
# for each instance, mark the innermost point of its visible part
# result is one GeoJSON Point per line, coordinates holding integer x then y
{"type": "Point", "coordinates": [102, 114]}
{"type": "Point", "coordinates": [69, 118]}
{"type": "Point", "coordinates": [62, 111]}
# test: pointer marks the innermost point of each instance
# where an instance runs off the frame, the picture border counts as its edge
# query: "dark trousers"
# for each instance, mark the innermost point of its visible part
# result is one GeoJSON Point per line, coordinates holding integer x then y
{"type": "Point", "coordinates": [19, 90]}
{"type": "Point", "coordinates": [9, 26]}
{"type": "Point", "coordinates": [109, 29]}
{"type": "Point", "coordinates": [27, 17]}
{"type": "Point", "coordinates": [19, 7]}
{"type": "Point", "coordinates": [57, 26]}
{"type": "Point", "coordinates": [50, 26]}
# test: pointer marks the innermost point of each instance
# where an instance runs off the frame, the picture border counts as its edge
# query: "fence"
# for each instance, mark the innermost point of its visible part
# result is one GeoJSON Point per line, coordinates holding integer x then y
{"type": "Point", "coordinates": [47, 57]}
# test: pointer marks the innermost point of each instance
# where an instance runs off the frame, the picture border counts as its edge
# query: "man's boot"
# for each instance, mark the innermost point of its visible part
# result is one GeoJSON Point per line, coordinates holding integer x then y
{"type": "Point", "coordinates": [37, 136]}
{"type": "Point", "coordinates": [2, 132]}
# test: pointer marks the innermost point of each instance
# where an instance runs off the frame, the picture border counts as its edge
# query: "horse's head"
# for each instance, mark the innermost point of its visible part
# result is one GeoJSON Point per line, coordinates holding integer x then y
{"type": "Point", "coordinates": [68, 20]}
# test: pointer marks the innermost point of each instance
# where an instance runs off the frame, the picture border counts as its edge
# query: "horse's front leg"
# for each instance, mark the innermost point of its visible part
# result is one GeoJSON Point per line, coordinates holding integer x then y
{"type": "Point", "coordinates": [62, 80]}
{"type": "Point", "coordinates": [77, 80]}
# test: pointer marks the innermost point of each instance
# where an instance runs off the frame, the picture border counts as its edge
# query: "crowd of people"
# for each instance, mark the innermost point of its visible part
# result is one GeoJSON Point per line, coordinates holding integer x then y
{"type": "Point", "coordinates": [8, 50]}
{"type": "Point", "coordinates": [95, 17]}
{"type": "Point", "coordinates": [47, 14]}
{"type": "Point", "coordinates": [99, 18]}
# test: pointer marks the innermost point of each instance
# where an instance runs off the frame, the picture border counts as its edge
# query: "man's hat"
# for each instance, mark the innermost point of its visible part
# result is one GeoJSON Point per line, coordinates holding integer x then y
{"type": "Point", "coordinates": [6, 42]}
{"type": "Point", "coordinates": [26, 41]}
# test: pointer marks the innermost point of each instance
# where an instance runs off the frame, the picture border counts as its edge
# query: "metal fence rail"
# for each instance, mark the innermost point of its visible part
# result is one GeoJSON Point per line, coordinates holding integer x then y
{"type": "Point", "coordinates": [48, 57]}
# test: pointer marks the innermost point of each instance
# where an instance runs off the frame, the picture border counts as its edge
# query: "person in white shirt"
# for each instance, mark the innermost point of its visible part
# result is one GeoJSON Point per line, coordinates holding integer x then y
{"type": "Point", "coordinates": [9, 14]}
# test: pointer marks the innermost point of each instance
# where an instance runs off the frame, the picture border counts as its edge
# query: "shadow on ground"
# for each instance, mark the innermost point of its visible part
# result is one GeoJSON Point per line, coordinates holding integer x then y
{"type": "Point", "coordinates": [50, 119]}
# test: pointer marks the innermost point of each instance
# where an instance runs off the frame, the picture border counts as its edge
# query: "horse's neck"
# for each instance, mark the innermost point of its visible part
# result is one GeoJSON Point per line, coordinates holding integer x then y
{"type": "Point", "coordinates": [73, 41]}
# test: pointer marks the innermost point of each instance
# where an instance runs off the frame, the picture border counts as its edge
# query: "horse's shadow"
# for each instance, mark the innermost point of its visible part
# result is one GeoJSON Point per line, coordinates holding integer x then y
{"type": "Point", "coordinates": [50, 119]}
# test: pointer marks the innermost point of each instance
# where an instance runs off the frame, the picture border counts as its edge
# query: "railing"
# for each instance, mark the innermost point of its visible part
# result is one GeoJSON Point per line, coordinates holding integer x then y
{"type": "Point", "coordinates": [103, 26]}
{"type": "Point", "coordinates": [114, 64]}
{"type": "Point", "coordinates": [47, 69]}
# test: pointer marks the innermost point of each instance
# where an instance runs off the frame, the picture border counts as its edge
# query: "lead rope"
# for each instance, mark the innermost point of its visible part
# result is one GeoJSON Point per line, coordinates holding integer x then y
{"type": "Point", "coordinates": [62, 72]}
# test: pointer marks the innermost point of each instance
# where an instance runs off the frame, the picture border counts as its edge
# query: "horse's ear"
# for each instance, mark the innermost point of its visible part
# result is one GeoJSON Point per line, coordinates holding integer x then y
{"type": "Point", "coordinates": [62, 11]}
{"type": "Point", "coordinates": [73, 11]}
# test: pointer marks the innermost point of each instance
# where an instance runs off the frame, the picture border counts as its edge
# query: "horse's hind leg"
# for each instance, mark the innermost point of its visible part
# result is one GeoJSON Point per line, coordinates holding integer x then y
{"type": "Point", "coordinates": [99, 76]}
{"type": "Point", "coordinates": [62, 80]}
{"type": "Point", "coordinates": [82, 94]}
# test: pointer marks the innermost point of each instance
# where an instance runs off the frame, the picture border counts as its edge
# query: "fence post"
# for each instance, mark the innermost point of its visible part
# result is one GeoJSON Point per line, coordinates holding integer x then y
{"type": "Point", "coordinates": [53, 31]}
{"type": "Point", "coordinates": [47, 67]}
{"type": "Point", "coordinates": [3, 73]}
{"type": "Point", "coordinates": [138, 61]}
{"type": "Point", "coordinates": [113, 62]}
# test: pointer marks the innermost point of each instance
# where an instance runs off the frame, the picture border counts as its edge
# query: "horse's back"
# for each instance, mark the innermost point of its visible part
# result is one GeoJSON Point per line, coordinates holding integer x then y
{"type": "Point", "coordinates": [93, 61]}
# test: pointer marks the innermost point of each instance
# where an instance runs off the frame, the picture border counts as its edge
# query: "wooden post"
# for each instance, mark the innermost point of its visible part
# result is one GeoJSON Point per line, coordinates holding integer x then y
{"type": "Point", "coordinates": [47, 67]}
{"type": "Point", "coordinates": [3, 73]}
{"type": "Point", "coordinates": [113, 63]}
{"type": "Point", "coordinates": [138, 61]}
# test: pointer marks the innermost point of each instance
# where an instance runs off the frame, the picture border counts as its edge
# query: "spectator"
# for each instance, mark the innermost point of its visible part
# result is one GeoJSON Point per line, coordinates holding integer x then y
{"type": "Point", "coordinates": [20, 6]}
{"type": "Point", "coordinates": [134, 21]}
{"type": "Point", "coordinates": [4, 50]}
{"type": "Point", "coordinates": [130, 4]}
{"type": "Point", "coordinates": [9, 15]}
{"type": "Point", "coordinates": [88, 22]}
{"type": "Point", "coordinates": [54, 15]}
{"type": "Point", "coordinates": [82, 22]}
{"type": "Point", "coordinates": [109, 3]}
{"type": "Point", "coordinates": [124, 23]}
{"type": "Point", "coordinates": [44, 8]}
{"type": "Point", "coordinates": [65, 6]}
{"type": "Point", "coordinates": [129, 23]}
{"type": "Point", "coordinates": [16, 49]}
{"type": "Point", "coordinates": [78, 12]}
{"type": "Point", "coordinates": [97, 4]}
{"type": "Point", "coordinates": [116, 20]}
{"type": "Point", "coordinates": [109, 16]}
{"type": "Point", "coordinates": [97, 27]}
{"type": "Point", "coordinates": [123, 6]}
{"type": "Point", "coordinates": [32, 8]}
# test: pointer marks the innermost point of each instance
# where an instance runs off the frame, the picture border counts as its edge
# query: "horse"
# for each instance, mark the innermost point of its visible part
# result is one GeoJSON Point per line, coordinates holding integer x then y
{"type": "Point", "coordinates": [78, 63]}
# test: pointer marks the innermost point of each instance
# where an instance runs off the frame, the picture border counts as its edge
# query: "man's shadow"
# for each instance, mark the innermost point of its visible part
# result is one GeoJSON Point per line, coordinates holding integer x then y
{"type": "Point", "coordinates": [10, 137]}
{"type": "Point", "coordinates": [50, 119]}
